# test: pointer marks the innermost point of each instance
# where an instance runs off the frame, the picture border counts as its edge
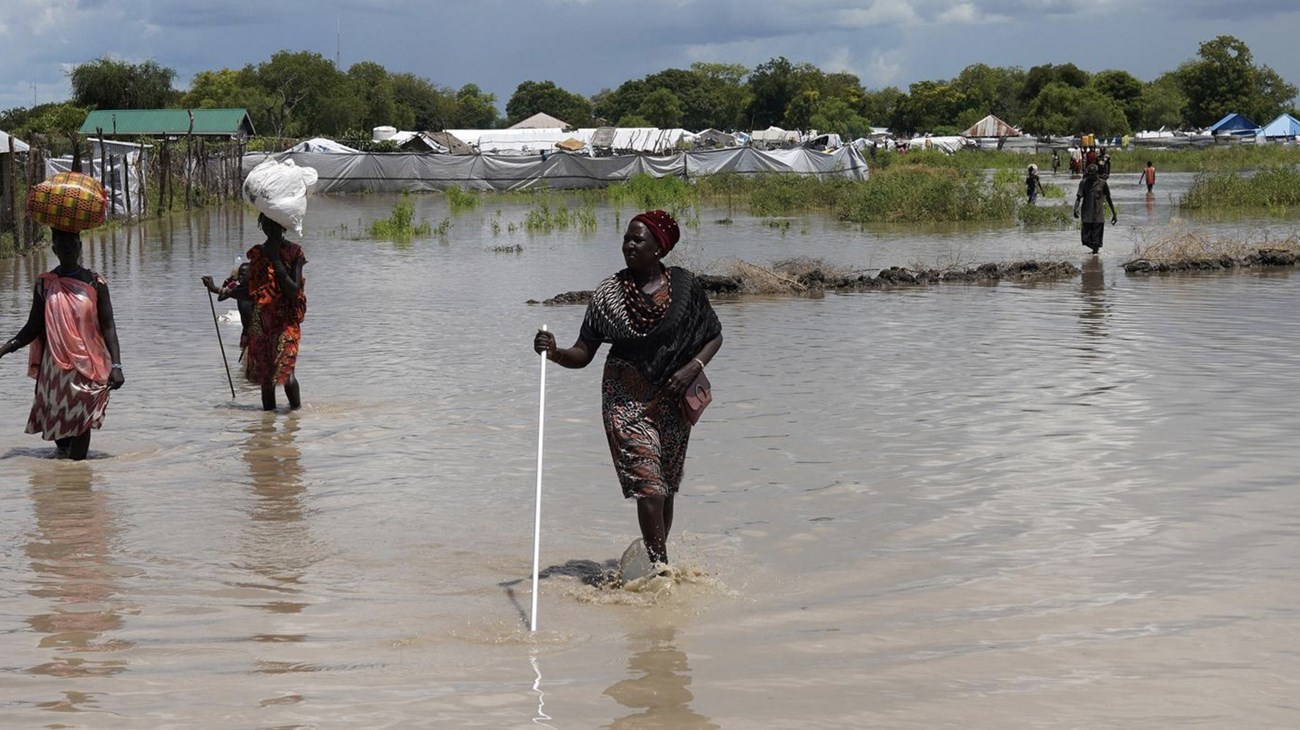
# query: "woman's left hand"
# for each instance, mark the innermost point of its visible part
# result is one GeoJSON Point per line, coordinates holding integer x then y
{"type": "Point", "coordinates": [115, 379]}
{"type": "Point", "coordinates": [682, 378]}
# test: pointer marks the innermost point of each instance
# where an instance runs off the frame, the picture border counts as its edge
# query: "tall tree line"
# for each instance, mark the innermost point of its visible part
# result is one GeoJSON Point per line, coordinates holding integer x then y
{"type": "Point", "coordinates": [298, 94]}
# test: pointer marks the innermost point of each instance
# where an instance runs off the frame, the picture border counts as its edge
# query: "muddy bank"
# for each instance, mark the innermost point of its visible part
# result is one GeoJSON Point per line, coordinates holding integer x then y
{"type": "Point", "coordinates": [817, 281]}
{"type": "Point", "coordinates": [1260, 257]}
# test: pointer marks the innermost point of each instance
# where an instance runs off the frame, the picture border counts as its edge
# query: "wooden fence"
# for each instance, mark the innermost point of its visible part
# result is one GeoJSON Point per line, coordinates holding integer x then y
{"type": "Point", "coordinates": [177, 173]}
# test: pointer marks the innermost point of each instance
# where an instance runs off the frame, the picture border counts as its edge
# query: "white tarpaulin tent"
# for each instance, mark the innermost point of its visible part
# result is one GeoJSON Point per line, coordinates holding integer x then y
{"type": "Point", "coordinates": [395, 172]}
{"type": "Point", "coordinates": [320, 144]}
{"type": "Point", "coordinates": [649, 140]}
{"type": "Point", "coordinates": [19, 145]}
{"type": "Point", "coordinates": [122, 178]}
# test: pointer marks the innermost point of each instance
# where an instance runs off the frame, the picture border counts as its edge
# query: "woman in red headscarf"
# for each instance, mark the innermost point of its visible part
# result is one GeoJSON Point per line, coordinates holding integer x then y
{"type": "Point", "coordinates": [663, 332]}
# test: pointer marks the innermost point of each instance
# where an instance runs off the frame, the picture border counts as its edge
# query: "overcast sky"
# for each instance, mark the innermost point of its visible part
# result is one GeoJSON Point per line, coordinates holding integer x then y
{"type": "Point", "coordinates": [588, 45]}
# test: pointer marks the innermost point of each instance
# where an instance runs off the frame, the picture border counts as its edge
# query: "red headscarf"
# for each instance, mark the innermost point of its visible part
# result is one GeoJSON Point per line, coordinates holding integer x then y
{"type": "Point", "coordinates": [662, 226]}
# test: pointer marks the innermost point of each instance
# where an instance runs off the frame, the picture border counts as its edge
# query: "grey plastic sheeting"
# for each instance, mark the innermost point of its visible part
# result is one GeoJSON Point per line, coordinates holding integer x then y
{"type": "Point", "coordinates": [394, 172]}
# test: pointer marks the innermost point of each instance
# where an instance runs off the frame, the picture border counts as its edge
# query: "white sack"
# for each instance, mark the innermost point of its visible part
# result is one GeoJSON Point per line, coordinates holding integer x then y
{"type": "Point", "coordinates": [279, 191]}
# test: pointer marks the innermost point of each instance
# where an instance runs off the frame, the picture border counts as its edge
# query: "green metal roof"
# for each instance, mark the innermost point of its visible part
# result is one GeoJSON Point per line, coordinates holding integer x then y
{"type": "Point", "coordinates": [155, 122]}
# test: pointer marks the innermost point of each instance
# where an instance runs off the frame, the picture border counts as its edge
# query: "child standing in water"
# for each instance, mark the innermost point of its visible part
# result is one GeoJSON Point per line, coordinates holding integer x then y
{"type": "Point", "coordinates": [1149, 176]}
{"type": "Point", "coordinates": [236, 287]}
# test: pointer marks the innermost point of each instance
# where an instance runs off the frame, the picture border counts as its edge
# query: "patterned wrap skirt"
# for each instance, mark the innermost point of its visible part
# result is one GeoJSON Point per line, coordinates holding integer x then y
{"type": "Point", "coordinates": [67, 403]}
{"type": "Point", "coordinates": [647, 434]}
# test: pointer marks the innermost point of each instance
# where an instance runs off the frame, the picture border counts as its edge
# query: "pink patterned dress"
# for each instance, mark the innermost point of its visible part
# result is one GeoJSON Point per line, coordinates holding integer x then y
{"type": "Point", "coordinates": [70, 362]}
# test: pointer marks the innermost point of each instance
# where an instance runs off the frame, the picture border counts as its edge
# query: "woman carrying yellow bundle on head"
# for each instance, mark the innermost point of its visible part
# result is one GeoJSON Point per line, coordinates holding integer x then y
{"type": "Point", "coordinates": [75, 357]}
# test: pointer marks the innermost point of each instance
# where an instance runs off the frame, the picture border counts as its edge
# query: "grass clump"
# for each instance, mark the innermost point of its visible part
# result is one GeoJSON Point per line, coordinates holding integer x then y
{"type": "Point", "coordinates": [551, 214]}
{"type": "Point", "coordinates": [1275, 188]}
{"type": "Point", "coordinates": [653, 193]}
{"type": "Point", "coordinates": [1180, 244]}
{"type": "Point", "coordinates": [916, 193]}
{"type": "Point", "coordinates": [400, 225]}
{"type": "Point", "coordinates": [459, 199]}
{"type": "Point", "coordinates": [1046, 216]}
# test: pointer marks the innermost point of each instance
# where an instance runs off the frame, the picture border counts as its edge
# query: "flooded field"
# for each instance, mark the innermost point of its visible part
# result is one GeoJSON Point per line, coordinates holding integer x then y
{"type": "Point", "coordinates": [1066, 505]}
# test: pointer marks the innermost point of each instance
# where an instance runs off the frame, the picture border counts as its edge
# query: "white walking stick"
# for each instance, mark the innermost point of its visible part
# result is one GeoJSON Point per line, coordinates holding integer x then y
{"type": "Point", "coordinates": [537, 520]}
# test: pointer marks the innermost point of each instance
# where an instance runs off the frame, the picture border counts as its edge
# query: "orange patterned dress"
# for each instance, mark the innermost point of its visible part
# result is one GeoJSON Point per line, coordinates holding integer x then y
{"type": "Point", "coordinates": [276, 327]}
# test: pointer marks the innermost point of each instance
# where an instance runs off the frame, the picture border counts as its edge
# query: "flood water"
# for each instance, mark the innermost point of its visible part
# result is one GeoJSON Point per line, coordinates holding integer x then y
{"type": "Point", "coordinates": [1064, 505]}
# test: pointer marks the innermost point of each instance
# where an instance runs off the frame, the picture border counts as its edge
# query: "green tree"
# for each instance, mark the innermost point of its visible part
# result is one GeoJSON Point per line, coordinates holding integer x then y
{"type": "Point", "coordinates": [772, 86]}
{"type": "Point", "coordinates": [428, 107]}
{"type": "Point", "coordinates": [837, 116]}
{"type": "Point", "coordinates": [1225, 79]}
{"type": "Point", "coordinates": [299, 86]}
{"type": "Point", "coordinates": [1062, 109]}
{"type": "Point", "coordinates": [532, 97]}
{"type": "Point", "coordinates": [1162, 104]}
{"type": "Point", "coordinates": [731, 97]}
{"type": "Point", "coordinates": [877, 107]}
{"type": "Point", "coordinates": [989, 90]}
{"type": "Point", "coordinates": [662, 108]}
{"type": "Point", "coordinates": [633, 120]}
{"type": "Point", "coordinates": [53, 119]}
{"type": "Point", "coordinates": [708, 95]}
{"type": "Point", "coordinates": [1125, 89]}
{"type": "Point", "coordinates": [371, 85]}
{"type": "Point", "coordinates": [799, 112]}
{"type": "Point", "coordinates": [1039, 77]}
{"type": "Point", "coordinates": [475, 109]}
{"type": "Point", "coordinates": [930, 106]}
{"type": "Point", "coordinates": [109, 84]}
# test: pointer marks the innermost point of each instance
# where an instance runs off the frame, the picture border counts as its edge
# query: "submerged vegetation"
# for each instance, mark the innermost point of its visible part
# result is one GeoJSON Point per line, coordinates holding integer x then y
{"type": "Point", "coordinates": [553, 213]}
{"type": "Point", "coordinates": [459, 199]}
{"type": "Point", "coordinates": [1271, 188]}
{"type": "Point", "coordinates": [400, 225]}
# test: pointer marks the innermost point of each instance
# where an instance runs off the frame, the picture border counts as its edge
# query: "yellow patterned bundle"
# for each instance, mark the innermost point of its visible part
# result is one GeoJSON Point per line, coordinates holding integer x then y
{"type": "Point", "coordinates": [69, 201]}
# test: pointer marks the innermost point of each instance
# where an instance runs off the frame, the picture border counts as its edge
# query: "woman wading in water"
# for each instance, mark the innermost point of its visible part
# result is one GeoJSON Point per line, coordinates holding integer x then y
{"type": "Point", "coordinates": [74, 356]}
{"type": "Point", "coordinates": [663, 332]}
{"type": "Point", "coordinates": [278, 291]}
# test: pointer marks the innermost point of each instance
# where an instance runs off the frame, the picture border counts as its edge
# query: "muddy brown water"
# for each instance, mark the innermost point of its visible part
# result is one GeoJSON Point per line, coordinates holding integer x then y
{"type": "Point", "coordinates": [1061, 505]}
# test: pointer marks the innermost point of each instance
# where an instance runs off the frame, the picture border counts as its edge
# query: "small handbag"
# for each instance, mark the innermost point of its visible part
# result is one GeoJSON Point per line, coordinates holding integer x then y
{"type": "Point", "coordinates": [698, 396]}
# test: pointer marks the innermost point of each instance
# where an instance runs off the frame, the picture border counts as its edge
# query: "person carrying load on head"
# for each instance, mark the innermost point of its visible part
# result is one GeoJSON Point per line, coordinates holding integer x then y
{"type": "Point", "coordinates": [1093, 189]}
{"type": "Point", "coordinates": [74, 357]}
{"type": "Point", "coordinates": [276, 284]}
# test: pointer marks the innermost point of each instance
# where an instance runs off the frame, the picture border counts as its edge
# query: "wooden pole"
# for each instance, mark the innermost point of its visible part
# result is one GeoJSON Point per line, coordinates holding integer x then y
{"type": "Point", "coordinates": [76, 152]}
{"type": "Point", "coordinates": [189, 150]}
{"type": "Point", "coordinates": [141, 171]}
{"type": "Point", "coordinates": [103, 170]}
{"type": "Point", "coordinates": [10, 218]}
{"type": "Point", "coordinates": [29, 238]}
{"type": "Point", "coordinates": [126, 182]}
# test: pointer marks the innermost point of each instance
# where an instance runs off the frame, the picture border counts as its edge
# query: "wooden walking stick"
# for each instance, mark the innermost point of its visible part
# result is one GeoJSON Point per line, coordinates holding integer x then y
{"type": "Point", "coordinates": [229, 379]}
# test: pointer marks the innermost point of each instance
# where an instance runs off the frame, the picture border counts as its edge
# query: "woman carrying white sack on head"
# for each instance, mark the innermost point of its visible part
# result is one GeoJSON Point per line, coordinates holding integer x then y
{"type": "Point", "coordinates": [275, 282]}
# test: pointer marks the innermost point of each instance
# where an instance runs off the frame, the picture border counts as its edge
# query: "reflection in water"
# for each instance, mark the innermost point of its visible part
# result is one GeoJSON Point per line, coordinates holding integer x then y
{"type": "Point", "coordinates": [658, 685]}
{"type": "Point", "coordinates": [277, 546]}
{"type": "Point", "coordinates": [1151, 205]}
{"type": "Point", "coordinates": [1092, 317]}
{"type": "Point", "coordinates": [71, 558]}
{"type": "Point", "coordinates": [542, 719]}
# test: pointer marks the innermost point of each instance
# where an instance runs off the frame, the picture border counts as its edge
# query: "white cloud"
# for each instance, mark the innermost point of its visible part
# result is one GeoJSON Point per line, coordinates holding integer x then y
{"type": "Point", "coordinates": [962, 13]}
{"type": "Point", "coordinates": [882, 69]}
{"type": "Point", "coordinates": [881, 12]}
